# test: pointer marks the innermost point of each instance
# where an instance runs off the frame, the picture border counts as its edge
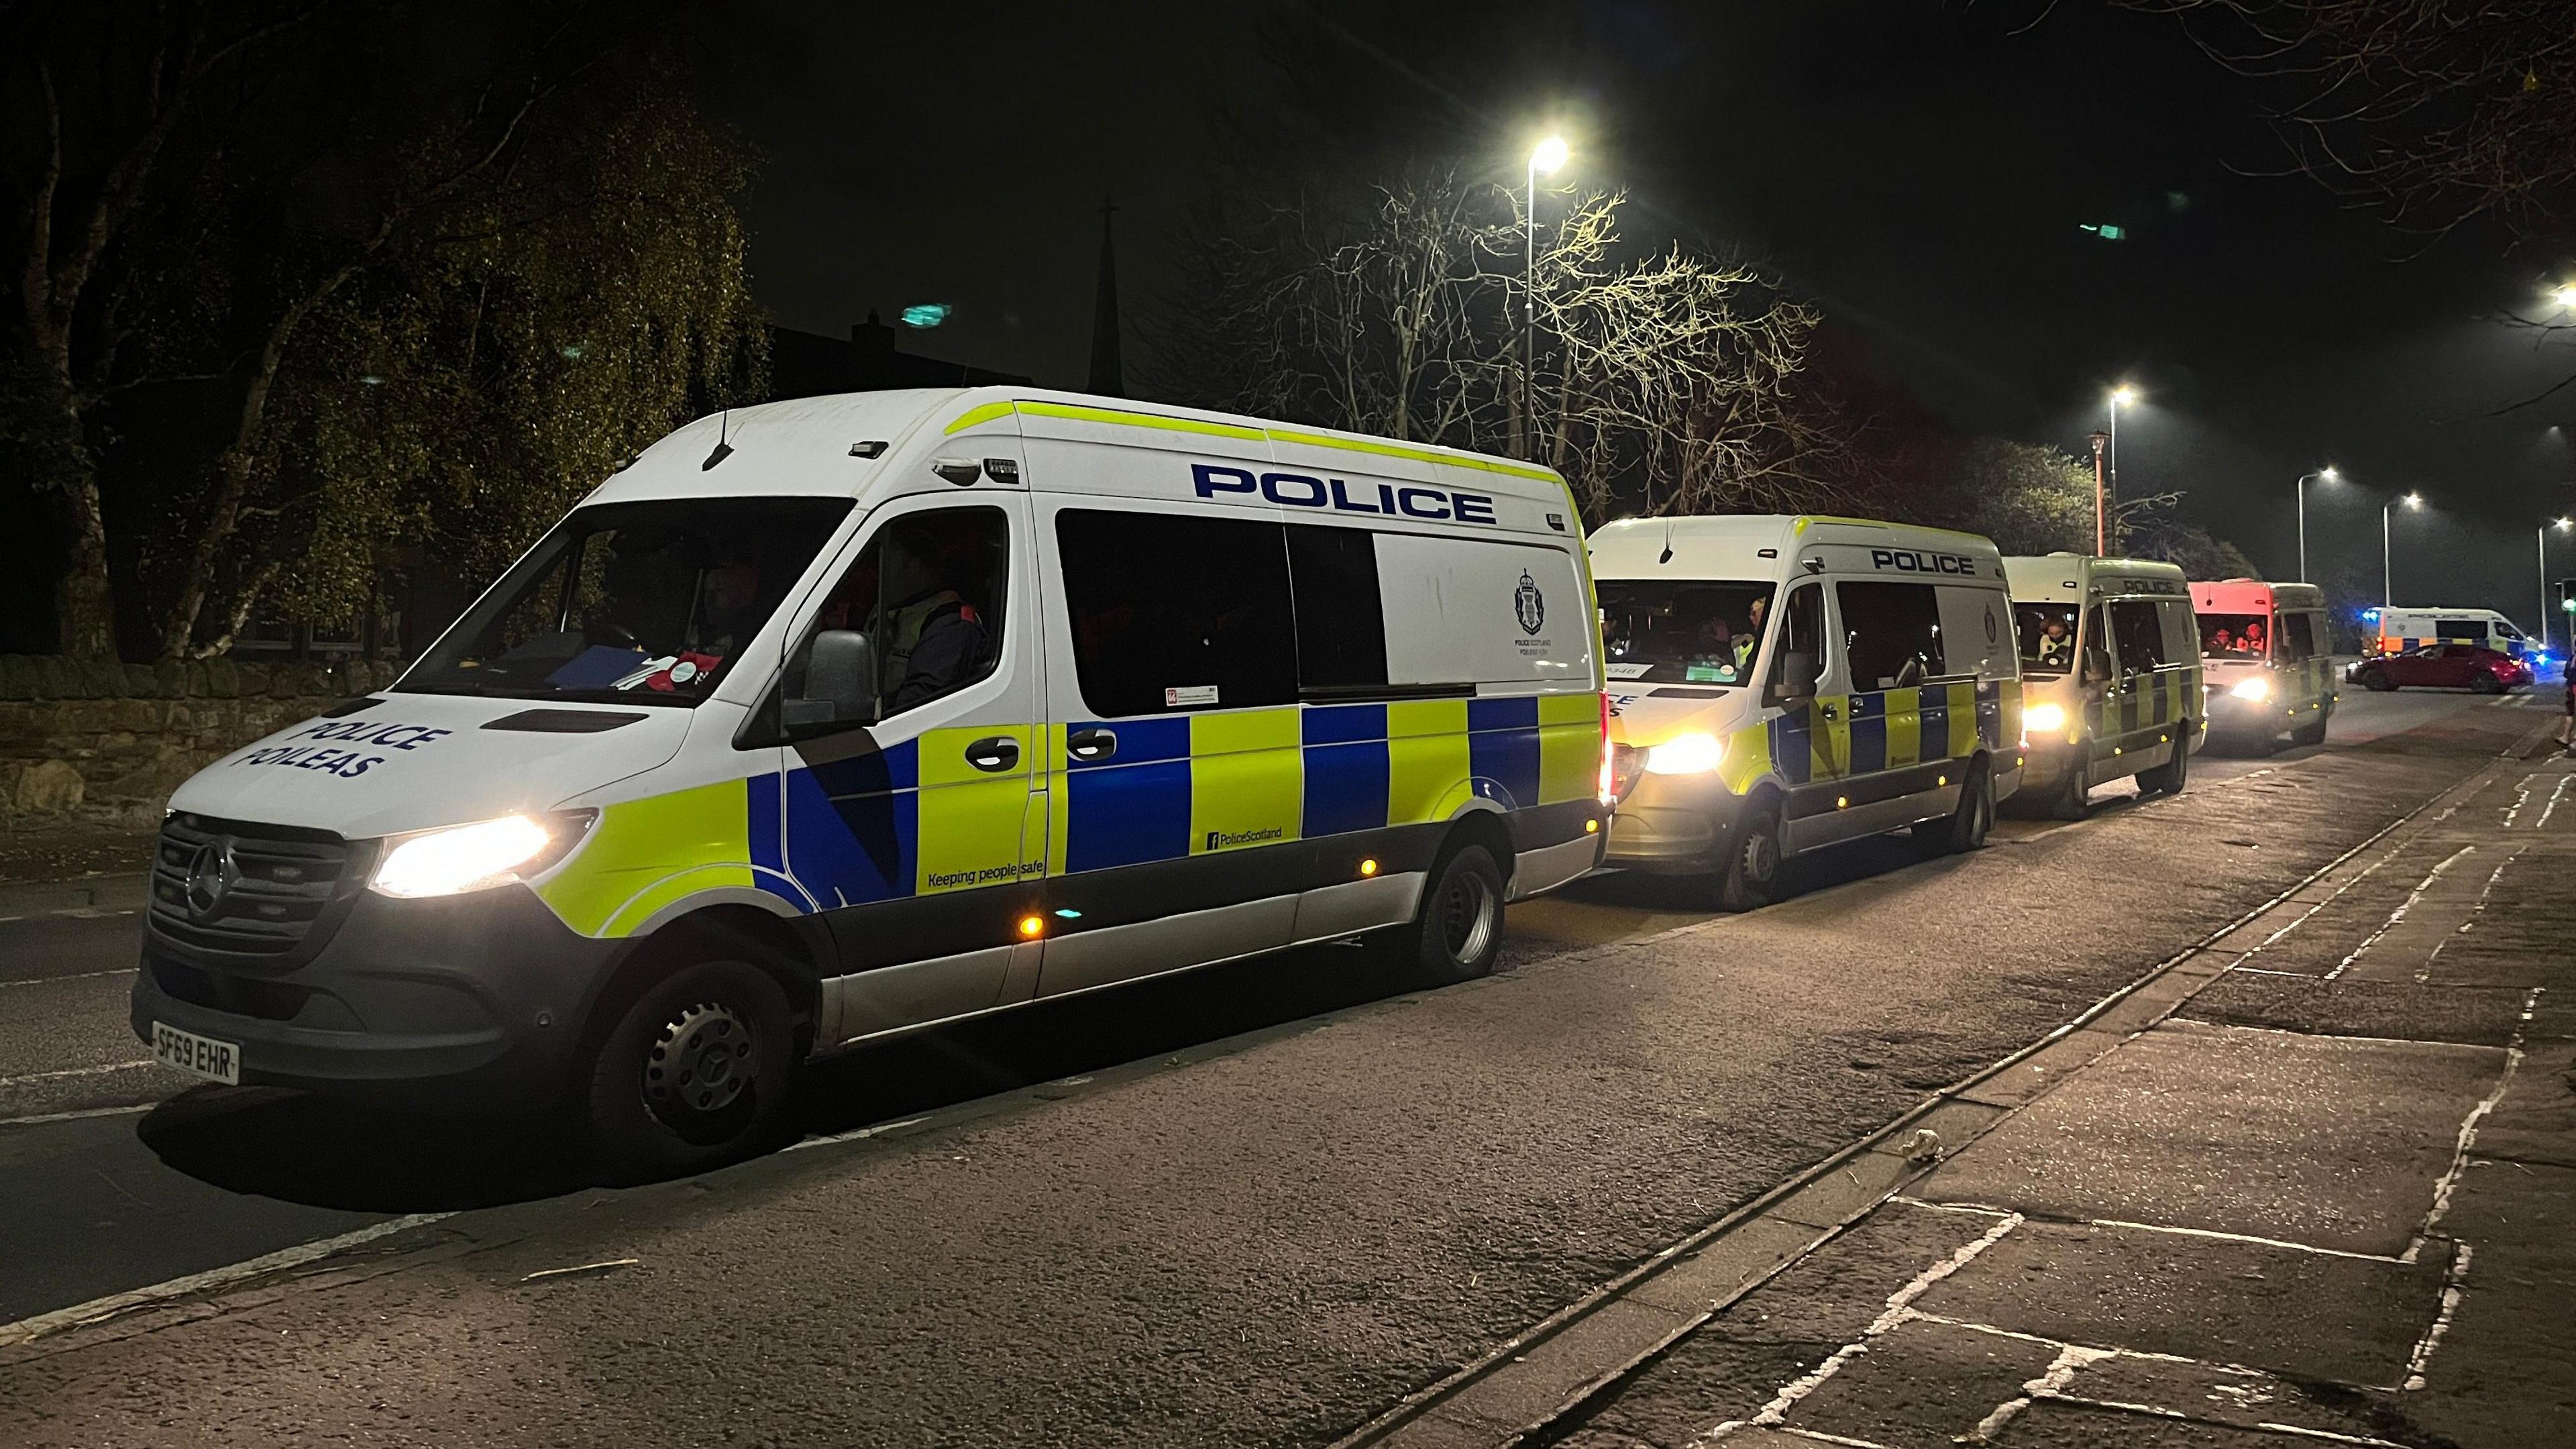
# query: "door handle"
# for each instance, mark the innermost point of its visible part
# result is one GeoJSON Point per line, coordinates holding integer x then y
{"type": "Point", "coordinates": [1091, 746]}
{"type": "Point", "coordinates": [996, 752]}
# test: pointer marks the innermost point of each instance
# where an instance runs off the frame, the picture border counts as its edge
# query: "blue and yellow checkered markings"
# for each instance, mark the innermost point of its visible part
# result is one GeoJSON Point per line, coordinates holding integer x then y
{"type": "Point", "coordinates": [1347, 768]}
{"type": "Point", "coordinates": [853, 826]}
{"type": "Point", "coordinates": [1132, 807]}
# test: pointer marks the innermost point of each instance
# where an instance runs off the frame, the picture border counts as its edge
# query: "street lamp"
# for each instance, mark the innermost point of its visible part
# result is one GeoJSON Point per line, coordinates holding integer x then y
{"type": "Point", "coordinates": [2121, 397]}
{"type": "Point", "coordinates": [1546, 156]}
{"type": "Point", "coordinates": [2387, 591]}
{"type": "Point", "coordinates": [2329, 475]}
{"type": "Point", "coordinates": [2562, 525]}
{"type": "Point", "coordinates": [2101, 511]}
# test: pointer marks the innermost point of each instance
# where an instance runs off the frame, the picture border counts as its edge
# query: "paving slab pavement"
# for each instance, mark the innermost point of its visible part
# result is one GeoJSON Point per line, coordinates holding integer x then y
{"type": "Point", "coordinates": [2332, 1200]}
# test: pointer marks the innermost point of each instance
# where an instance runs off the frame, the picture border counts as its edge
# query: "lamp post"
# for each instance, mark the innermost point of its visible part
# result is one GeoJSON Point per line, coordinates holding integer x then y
{"type": "Point", "coordinates": [1546, 156]}
{"type": "Point", "coordinates": [2329, 475]}
{"type": "Point", "coordinates": [2121, 396]}
{"type": "Point", "coordinates": [2101, 510]}
{"type": "Point", "coordinates": [2562, 525]}
{"type": "Point", "coordinates": [2387, 589]}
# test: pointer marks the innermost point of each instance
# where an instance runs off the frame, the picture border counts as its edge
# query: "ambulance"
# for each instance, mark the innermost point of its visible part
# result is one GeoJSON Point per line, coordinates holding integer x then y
{"type": "Point", "coordinates": [2110, 668]}
{"type": "Point", "coordinates": [839, 717]}
{"type": "Point", "coordinates": [2401, 630]}
{"type": "Point", "coordinates": [2264, 661]}
{"type": "Point", "coordinates": [1783, 684]}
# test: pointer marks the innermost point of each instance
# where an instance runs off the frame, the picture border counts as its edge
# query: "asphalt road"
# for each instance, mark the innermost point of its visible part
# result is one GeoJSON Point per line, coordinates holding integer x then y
{"type": "Point", "coordinates": [1251, 1205]}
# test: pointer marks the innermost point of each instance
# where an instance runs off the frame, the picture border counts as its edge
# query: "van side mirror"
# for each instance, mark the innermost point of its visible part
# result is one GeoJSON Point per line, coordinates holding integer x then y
{"type": "Point", "coordinates": [2097, 665]}
{"type": "Point", "coordinates": [1795, 678]}
{"type": "Point", "coordinates": [840, 684]}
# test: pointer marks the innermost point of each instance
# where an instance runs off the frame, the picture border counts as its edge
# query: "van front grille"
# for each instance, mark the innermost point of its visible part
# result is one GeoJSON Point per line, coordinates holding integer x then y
{"type": "Point", "coordinates": [242, 890]}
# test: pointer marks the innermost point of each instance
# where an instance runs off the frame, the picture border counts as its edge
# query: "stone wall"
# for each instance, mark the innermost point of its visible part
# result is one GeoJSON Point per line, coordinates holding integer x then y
{"type": "Point", "coordinates": [107, 743]}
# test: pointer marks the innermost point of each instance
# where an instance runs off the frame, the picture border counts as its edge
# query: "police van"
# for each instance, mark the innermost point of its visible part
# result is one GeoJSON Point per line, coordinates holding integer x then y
{"type": "Point", "coordinates": [2402, 630]}
{"type": "Point", "coordinates": [2264, 661]}
{"type": "Point", "coordinates": [2110, 668]}
{"type": "Point", "coordinates": [1781, 684]}
{"type": "Point", "coordinates": [837, 717]}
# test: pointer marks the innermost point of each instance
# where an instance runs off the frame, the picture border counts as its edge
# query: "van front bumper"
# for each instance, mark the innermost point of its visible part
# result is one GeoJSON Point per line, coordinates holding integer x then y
{"type": "Point", "coordinates": [1674, 825]}
{"type": "Point", "coordinates": [473, 1001]}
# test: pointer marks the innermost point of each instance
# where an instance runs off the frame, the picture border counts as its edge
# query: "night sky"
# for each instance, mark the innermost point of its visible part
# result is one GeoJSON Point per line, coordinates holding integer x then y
{"type": "Point", "coordinates": [1920, 168]}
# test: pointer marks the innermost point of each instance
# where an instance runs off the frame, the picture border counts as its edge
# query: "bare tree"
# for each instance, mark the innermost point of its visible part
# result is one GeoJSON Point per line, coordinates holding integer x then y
{"type": "Point", "coordinates": [2436, 111]}
{"type": "Point", "coordinates": [1661, 383]}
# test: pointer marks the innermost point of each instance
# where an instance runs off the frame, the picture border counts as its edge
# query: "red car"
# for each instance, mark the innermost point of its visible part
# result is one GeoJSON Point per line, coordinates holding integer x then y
{"type": "Point", "coordinates": [2446, 666]}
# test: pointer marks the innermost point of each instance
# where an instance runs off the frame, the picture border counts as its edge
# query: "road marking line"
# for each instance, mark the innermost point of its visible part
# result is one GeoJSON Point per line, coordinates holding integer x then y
{"type": "Point", "coordinates": [2215, 1235]}
{"type": "Point", "coordinates": [84, 1112]}
{"type": "Point", "coordinates": [2475, 911]}
{"type": "Point", "coordinates": [26, 1330]}
{"type": "Point", "coordinates": [855, 1134]}
{"type": "Point", "coordinates": [2552, 807]}
{"type": "Point", "coordinates": [1899, 1309]}
{"type": "Point", "coordinates": [2061, 1371]}
{"type": "Point", "coordinates": [2452, 1280]}
{"type": "Point", "coordinates": [2449, 1181]}
{"type": "Point", "coordinates": [2521, 797]}
{"type": "Point", "coordinates": [97, 1071]}
{"type": "Point", "coordinates": [75, 976]}
{"type": "Point", "coordinates": [1823, 1438]}
{"type": "Point", "coordinates": [2399, 914]}
{"type": "Point", "coordinates": [2156, 1411]}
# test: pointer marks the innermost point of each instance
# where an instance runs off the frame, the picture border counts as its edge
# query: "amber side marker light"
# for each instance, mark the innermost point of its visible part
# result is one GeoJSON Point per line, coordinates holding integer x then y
{"type": "Point", "coordinates": [1032, 926]}
{"type": "Point", "coordinates": [1591, 827]}
{"type": "Point", "coordinates": [1368, 867]}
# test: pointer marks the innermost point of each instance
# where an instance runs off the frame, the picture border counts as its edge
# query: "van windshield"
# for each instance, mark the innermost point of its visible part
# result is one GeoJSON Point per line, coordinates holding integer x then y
{"type": "Point", "coordinates": [2234, 636]}
{"type": "Point", "coordinates": [643, 603]}
{"type": "Point", "coordinates": [1695, 631]}
{"type": "Point", "coordinates": [2047, 637]}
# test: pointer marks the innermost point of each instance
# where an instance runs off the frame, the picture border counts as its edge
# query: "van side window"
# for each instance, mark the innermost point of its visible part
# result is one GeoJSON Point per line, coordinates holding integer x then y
{"type": "Point", "coordinates": [1176, 613]}
{"type": "Point", "coordinates": [1341, 619]}
{"type": "Point", "coordinates": [2140, 635]}
{"type": "Point", "coordinates": [927, 595]}
{"type": "Point", "coordinates": [2298, 641]}
{"type": "Point", "coordinates": [1891, 633]}
{"type": "Point", "coordinates": [1802, 636]}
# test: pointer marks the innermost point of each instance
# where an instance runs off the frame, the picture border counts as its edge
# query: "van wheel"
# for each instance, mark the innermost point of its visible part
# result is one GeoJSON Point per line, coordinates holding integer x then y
{"type": "Point", "coordinates": [695, 1073]}
{"type": "Point", "coordinates": [1965, 828]}
{"type": "Point", "coordinates": [2313, 732]}
{"type": "Point", "coordinates": [1751, 879]}
{"type": "Point", "coordinates": [2168, 778]}
{"type": "Point", "coordinates": [2072, 795]}
{"type": "Point", "coordinates": [1458, 929]}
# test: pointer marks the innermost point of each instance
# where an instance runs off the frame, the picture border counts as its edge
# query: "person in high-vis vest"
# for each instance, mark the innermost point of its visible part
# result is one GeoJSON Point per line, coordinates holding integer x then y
{"type": "Point", "coordinates": [931, 637]}
{"type": "Point", "coordinates": [2056, 648]}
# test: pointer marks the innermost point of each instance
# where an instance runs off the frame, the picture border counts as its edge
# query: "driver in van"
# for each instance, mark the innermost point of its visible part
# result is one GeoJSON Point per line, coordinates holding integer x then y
{"type": "Point", "coordinates": [933, 638]}
{"type": "Point", "coordinates": [1751, 639]}
{"type": "Point", "coordinates": [2252, 642]}
{"type": "Point", "coordinates": [2056, 647]}
{"type": "Point", "coordinates": [728, 596]}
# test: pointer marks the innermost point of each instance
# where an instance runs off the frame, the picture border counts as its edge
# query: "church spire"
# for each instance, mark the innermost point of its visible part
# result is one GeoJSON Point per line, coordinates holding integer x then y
{"type": "Point", "coordinates": [1107, 377]}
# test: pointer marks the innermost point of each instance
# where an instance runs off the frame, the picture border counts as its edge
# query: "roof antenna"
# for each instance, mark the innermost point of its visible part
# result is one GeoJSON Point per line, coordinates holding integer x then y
{"type": "Point", "coordinates": [723, 449]}
{"type": "Point", "coordinates": [1667, 555]}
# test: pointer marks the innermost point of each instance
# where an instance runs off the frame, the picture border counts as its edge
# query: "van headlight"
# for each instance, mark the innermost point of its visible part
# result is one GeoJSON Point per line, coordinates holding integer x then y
{"type": "Point", "coordinates": [2044, 718]}
{"type": "Point", "coordinates": [1695, 753]}
{"type": "Point", "coordinates": [476, 857]}
{"type": "Point", "coordinates": [2257, 689]}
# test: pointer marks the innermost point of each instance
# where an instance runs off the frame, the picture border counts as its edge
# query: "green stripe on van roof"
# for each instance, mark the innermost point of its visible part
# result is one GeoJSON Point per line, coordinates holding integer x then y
{"type": "Point", "coordinates": [1123, 418]}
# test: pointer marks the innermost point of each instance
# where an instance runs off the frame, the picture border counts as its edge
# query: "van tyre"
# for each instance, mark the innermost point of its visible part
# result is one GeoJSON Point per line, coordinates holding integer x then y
{"type": "Point", "coordinates": [1751, 879]}
{"type": "Point", "coordinates": [1965, 828]}
{"type": "Point", "coordinates": [1457, 931]}
{"type": "Point", "coordinates": [2314, 731]}
{"type": "Point", "coordinates": [695, 1073]}
{"type": "Point", "coordinates": [2169, 777]}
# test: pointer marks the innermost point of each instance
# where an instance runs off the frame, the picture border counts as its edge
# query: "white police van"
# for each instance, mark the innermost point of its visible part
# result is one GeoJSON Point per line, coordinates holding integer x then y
{"type": "Point", "coordinates": [1779, 684]}
{"type": "Point", "coordinates": [837, 717]}
{"type": "Point", "coordinates": [2111, 686]}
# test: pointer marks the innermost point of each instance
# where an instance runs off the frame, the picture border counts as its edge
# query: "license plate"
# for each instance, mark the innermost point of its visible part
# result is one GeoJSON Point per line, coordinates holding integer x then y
{"type": "Point", "coordinates": [198, 1056]}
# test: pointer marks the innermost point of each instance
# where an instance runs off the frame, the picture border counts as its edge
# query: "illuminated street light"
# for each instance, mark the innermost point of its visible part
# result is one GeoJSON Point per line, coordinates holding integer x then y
{"type": "Point", "coordinates": [2387, 592]}
{"type": "Point", "coordinates": [1546, 156]}
{"type": "Point", "coordinates": [2106, 501]}
{"type": "Point", "coordinates": [2325, 474]}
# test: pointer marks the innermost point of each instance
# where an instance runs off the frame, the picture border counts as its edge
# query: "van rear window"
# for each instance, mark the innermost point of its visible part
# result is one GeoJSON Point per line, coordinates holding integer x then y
{"type": "Point", "coordinates": [1177, 612]}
